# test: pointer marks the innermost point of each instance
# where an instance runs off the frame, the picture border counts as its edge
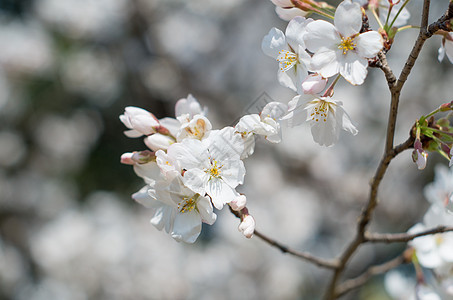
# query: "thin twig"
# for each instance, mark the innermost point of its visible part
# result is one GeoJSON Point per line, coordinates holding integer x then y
{"type": "Point", "coordinates": [403, 237]}
{"type": "Point", "coordinates": [330, 264]}
{"type": "Point", "coordinates": [351, 284]}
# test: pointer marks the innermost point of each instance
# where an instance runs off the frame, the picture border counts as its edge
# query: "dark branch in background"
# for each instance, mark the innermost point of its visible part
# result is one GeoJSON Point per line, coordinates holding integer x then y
{"type": "Point", "coordinates": [403, 237]}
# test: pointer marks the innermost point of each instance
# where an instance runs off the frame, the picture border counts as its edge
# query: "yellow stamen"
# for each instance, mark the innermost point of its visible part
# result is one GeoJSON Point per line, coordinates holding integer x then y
{"type": "Point", "coordinates": [347, 44]}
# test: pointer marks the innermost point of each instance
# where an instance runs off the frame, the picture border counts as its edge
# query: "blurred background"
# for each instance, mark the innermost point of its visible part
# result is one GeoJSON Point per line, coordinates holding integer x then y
{"type": "Point", "coordinates": [68, 226]}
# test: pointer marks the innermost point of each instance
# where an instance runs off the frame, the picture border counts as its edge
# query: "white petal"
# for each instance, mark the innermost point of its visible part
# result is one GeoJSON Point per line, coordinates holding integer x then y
{"type": "Point", "coordinates": [149, 172]}
{"type": "Point", "coordinates": [449, 48]}
{"type": "Point", "coordinates": [288, 13]}
{"type": "Point", "coordinates": [288, 78]}
{"type": "Point", "coordinates": [220, 192]}
{"type": "Point", "coordinates": [295, 32]}
{"type": "Point", "coordinates": [273, 42]}
{"type": "Point", "coordinates": [353, 68]}
{"type": "Point", "coordinates": [321, 34]}
{"type": "Point", "coordinates": [204, 207]}
{"type": "Point", "coordinates": [196, 180]}
{"type": "Point", "coordinates": [348, 18]}
{"type": "Point", "coordinates": [368, 44]}
{"type": "Point", "coordinates": [132, 133]}
{"type": "Point", "coordinates": [163, 218]}
{"type": "Point", "coordinates": [233, 172]}
{"type": "Point", "coordinates": [326, 62]}
{"type": "Point", "coordinates": [187, 227]}
{"type": "Point", "coordinates": [344, 120]}
{"type": "Point", "coordinates": [325, 133]}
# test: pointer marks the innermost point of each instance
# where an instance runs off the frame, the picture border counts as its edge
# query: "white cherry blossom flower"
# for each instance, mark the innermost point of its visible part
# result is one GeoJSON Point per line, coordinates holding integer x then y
{"type": "Point", "coordinates": [289, 51]}
{"type": "Point", "coordinates": [238, 203]}
{"type": "Point", "coordinates": [341, 48]}
{"type": "Point", "coordinates": [446, 47]}
{"type": "Point", "coordinates": [139, 121]}
{"type": "Point", "coordinates": [325, 115]}
{"type": "Point", "coordinates": [177, 208]}
{"type": "Point", "coordinates": [267, 123]}
{"type": "Point", "coordinates": [212, 166]}
{"type": "Point", "coordinates": [434, 250]}
{"type": "Point", "coordinates": [189, 106]}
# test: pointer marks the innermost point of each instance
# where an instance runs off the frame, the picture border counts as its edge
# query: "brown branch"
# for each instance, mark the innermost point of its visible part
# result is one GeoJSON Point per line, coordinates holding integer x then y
{"type": "Point", "coordinates": [403, 237]}
{"type": "Point", "coordinates": [351, 284]}
{"type": "Point", "coordinates": [391, 79]}
{"type": "Point", "coordinates": [330, 264]}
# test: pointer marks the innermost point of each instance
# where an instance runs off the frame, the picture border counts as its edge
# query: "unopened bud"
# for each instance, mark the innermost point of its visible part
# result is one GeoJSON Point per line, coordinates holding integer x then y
{"type": "Point", "coordinates": [420, 157]}
{"type": "Point", "coordinates": [143, 157]}
{"type": "Point", "coordinates": [126, 158]}
{"type": "Point", "coordinates": [238, 203]}
{"type": "Point", "coordinates": [247, 226]}
{"type": "Point", "coordinates": [446, 106]}
{"type": "Point", "coordinates": [314, 84]}
{"type": "Point", "coordinates": [158, 142]}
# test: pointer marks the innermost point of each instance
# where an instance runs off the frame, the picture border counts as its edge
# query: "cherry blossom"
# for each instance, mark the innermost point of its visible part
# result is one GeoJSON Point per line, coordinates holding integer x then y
{"type": "Point", "coordinates": [177, 209]}
{"type": "Point", "coordinates": [289, 50]}
{"type": "Point", "coordinates": [325, 115]}
{"type": "Point", "coordinates": [342, 48]}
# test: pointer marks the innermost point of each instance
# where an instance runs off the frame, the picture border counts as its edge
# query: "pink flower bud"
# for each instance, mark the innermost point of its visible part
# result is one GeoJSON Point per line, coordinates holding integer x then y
{"type": "Point", "coordinates": [126, 158]}
{"type": "Point", "coordinates": [247, 226]}
{"type": "Point", "coordinates": [314, 84]}
{"type": "Point", "coordinates": [238, 203]}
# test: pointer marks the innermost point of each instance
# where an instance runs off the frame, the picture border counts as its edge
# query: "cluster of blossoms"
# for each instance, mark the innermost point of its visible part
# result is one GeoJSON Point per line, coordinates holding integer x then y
{"type": "Point", "coordinates": [191, 168]}
{"type": "Point", "coordinates": [434, 252]}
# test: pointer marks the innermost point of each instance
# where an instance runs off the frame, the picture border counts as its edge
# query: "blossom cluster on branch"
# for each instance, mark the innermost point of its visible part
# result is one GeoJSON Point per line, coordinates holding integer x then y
{"type": "Point", "coordinates": [191, 169]}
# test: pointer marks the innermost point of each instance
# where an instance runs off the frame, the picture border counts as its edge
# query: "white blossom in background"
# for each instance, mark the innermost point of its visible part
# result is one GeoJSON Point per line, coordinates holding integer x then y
{"type": "Point", "coordinates": [189, 107]}
{"type": "Point", "coordinates": [434, 251]}
{"type": "Point", "coordinates": [340, 48]}
{"type": "Point", "coordinates": [446, 47]}
{"type": "Point", "coordinates": [440, 191]}
{"type": "Point", "coordinates": [289, 50]}
{"type": "Point", "coordinates": [325, 115]}
{"type": "Point", "coordinates": [177, 209]}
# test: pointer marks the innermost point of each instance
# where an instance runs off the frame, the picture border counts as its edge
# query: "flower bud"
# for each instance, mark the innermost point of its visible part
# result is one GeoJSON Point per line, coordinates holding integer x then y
{"type": "Point", "coordinates": [238, 203]}
{"type": "Point", "coordinates": [158, 142]}
{"type": "Point", "coordinates": [126, 158]}
{"type": "Point", "coordinates": [419, 156]}
{"type": "Point", "coordinates": [143, 157]}
{"type": "Point", "coordinates": [247, 226]}
{"type": "Point", "coordinates": [314, 84]}
{"type": "Point", "coordinates": [140, 121]}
